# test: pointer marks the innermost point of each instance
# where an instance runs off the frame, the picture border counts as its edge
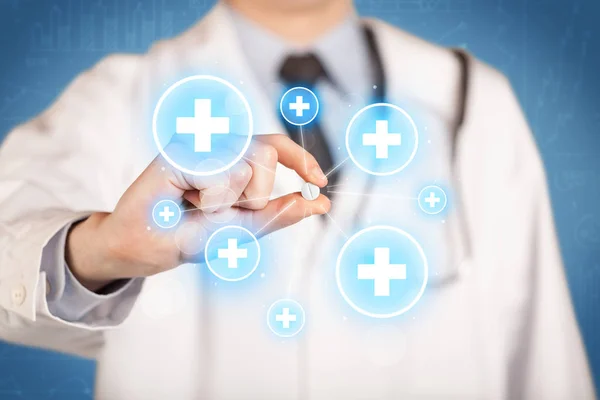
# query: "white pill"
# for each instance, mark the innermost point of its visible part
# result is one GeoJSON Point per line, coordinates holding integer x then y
{"type": "Point", "coordinates": [310, 191]}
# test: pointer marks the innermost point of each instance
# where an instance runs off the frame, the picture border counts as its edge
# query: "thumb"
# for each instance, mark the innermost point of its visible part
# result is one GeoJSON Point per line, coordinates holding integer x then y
{"type": "Point", "coordinates": [287, 210]}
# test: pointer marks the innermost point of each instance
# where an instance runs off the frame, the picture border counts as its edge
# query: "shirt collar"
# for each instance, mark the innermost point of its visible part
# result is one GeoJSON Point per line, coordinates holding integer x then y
{"type": "Point", "coordinates": [342, 50]}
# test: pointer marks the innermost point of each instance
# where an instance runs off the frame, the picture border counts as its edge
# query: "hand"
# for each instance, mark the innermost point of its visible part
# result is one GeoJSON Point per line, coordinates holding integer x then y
{"type": "Point", "coordinates": [110, 246]}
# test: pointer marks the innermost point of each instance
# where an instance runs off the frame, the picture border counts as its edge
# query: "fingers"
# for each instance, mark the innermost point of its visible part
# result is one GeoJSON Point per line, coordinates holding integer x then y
{"type": "Point", "coordinates": [287, 210]}
{"type": "Point", "coordinates": [262, 158]}
{"type": "Point", "coordinates": [278, 213]}
{"type": "Point", "coordinates": [162, 179]}
{"type": "Point", "coordinates": [248, 184]}
{"type": "Point", "coordinates": [209, 193]}
{"type": "Point", "coordinates": [223, 194]}
{"type": "Point", "coordinates": [295, 157]}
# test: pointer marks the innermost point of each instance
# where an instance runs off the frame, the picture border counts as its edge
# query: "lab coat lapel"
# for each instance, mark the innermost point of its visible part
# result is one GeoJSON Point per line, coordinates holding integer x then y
{"type": "Point", "coordinates": [283, 253]}
{"type": "Point", "coordinates": [210, 47]}
{"type": "Point", "coordinates": [220, 54]}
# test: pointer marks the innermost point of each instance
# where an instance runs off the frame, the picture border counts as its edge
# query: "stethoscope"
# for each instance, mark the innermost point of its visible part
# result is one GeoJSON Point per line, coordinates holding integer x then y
{"type": "Point", "coordinates": [458, 239]}
{"type": "Point", "coordinates": [458, 228]}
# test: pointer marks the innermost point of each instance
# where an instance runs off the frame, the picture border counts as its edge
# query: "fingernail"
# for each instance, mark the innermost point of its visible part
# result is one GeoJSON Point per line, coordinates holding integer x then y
{"type": "Point", "coordinates": [318, 175]}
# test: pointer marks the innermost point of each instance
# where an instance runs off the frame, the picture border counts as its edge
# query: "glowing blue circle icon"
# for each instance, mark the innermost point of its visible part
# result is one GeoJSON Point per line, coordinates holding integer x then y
{"type": "Point", "coordinates": [381, 271]}
{"type": "Point", "coordinates": [232, 253]}
{"type": "Point", "coordinates": [432, 199]}
{"type": "Point", "coordinates": [286, 318]}
{"type": "Point", "coordinates": [166, 214]}
{"type": "Point", "coordinates": [299, 106]}
{"type": "Point", "coordinates": [202, 118]}
{"type": "Point", "coordinates": [382, 139]}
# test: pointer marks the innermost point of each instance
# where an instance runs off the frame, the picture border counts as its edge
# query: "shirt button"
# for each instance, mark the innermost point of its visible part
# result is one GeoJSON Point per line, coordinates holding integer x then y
{"type": "Point", "coordinates": [18, 295]}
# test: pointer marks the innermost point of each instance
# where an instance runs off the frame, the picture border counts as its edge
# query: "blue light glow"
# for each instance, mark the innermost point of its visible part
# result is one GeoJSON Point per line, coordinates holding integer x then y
{"type": "Point", "coordinates": [202, 118]}
{"type": "Point", "coordinates": [382, 139]}
{"type": "Point", "coordinates": [360, 252]}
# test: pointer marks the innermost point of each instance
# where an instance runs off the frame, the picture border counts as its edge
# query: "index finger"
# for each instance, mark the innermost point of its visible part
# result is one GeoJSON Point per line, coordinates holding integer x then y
{"type": "Point", "coordinates": [293, 156]}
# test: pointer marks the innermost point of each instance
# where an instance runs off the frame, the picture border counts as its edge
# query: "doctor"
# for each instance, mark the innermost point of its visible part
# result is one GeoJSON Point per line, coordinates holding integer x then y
{"type": "Point", "coordinates": [81, 273]}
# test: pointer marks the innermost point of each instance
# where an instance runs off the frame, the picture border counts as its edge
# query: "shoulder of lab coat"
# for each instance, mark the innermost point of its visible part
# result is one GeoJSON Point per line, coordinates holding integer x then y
{"type": "Point", "coordinates": [501, 181]}
{"type": "Point", "coordinates": [59, 167]}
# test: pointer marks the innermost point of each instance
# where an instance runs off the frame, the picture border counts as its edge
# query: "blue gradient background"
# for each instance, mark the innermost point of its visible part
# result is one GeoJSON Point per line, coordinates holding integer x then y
{"type": "Point", "coordinates": [548, 48]}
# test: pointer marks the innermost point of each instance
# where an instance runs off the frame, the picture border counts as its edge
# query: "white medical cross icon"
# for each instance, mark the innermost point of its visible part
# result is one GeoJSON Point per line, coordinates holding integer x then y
{"type": "Point", "coordinates": [202, 125]}
{"type": "Point", "coordinates": [432, 200]}
{"type": "Point", "coordinates": [285, 317]}
{"type": "Point", "coordinates": [381, 271]}
{"type": "Point", "coordinates": [381, 139]}
{"type": "Point", "coordinates": [232, 253]}
{"type": "Point", "coordinates": [299, 106]}
{"type": "Point", "coordinates": [166, 214]}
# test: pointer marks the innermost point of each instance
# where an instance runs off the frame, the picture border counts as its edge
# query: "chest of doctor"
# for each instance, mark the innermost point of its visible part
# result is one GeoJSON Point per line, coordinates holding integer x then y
{"type": "Point", "coordinates": [212, 336]}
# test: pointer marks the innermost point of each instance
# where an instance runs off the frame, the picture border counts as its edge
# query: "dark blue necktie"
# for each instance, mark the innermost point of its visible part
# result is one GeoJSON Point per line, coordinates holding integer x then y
{"type": "Point", "coordinates": [306, 70]}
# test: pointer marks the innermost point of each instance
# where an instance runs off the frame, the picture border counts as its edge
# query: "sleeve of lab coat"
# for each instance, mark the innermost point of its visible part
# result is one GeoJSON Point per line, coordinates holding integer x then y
{"type": "Point", "coordinates": [535, 328]}
{"type": "Point", "coordinates": [549, 360]}
{"type": "Point", "coordinates": [70, 161]}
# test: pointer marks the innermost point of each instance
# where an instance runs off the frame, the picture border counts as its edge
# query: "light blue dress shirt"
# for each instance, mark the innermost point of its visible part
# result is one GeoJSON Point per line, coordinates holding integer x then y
{"type": "Point", "coordinates": [70, 300]}
{"type": "Point", "coordinates": [344, 54]}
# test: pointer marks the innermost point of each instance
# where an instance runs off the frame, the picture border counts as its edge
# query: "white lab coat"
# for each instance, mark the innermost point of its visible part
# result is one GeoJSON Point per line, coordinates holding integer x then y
{"type": "Point", "coordinates": [496, 322]}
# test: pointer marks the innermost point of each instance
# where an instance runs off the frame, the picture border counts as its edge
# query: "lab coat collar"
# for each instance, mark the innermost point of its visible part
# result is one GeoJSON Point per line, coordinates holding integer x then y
{"type": "Point", "coordinates": [424, 84]}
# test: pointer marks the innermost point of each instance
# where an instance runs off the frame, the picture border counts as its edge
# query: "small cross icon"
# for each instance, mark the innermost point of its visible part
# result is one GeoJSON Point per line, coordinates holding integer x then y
{"type": "Point", "coordinates": [166, 214]}
{"type": "Point", "coordinates": [381, 272]}
{"type": "Point", "coordinates": [285, 317]}
{"type": "Point", "coordinates": [432, 200]}
{"type": "Point", "coordinates": [299, 106]}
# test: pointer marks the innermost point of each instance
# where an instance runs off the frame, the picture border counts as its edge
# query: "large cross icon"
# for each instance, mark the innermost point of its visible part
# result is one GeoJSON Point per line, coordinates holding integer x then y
{"type": "Point", "coordinates": [232, 253]}
{"type": "Point", "coordinates": [381, 271]}
{"type": "Point", "coordinates": [381, 139]}
{"type": "Point", "coordinates": [202, 125]}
